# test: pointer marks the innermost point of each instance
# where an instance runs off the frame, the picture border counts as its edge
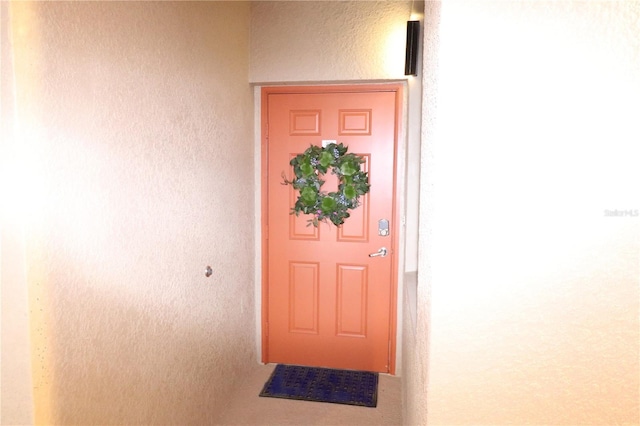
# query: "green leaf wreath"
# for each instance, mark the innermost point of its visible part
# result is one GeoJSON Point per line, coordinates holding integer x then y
{"type": "Point", "coordinates": [310, 166]}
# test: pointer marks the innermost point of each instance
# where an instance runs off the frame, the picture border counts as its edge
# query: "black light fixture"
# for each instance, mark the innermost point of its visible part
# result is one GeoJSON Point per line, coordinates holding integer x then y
{"type": "Point", "coordinates": [411, 59]}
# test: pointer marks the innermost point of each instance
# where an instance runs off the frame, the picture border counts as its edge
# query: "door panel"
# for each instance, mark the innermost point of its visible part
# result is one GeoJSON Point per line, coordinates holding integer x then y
{"type": "Point", "coordinates": [328, 303]}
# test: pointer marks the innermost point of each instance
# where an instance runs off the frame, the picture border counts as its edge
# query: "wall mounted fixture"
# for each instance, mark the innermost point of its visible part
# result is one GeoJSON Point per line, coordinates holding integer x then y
{"type": "Point", "coordinates": [411, 59]}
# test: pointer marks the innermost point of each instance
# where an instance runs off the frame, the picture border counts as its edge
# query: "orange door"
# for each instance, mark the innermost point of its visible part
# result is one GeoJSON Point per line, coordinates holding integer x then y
{"type": "Point", "coordinates": [328, 303]}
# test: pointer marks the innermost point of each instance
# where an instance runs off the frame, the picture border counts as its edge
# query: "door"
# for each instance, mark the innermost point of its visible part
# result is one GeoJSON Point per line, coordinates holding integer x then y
{"type": "Point", "coordinates": [327, 302]}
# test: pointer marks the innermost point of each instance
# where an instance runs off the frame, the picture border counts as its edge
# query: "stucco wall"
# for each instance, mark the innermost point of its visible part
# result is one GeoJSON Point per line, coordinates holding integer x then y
{"type": "Point", "coordinates": [135, 143]}
{"type": "Point", "coordinates": [533, 287]}
{"type": "Point", "coordinates": [417, 294]}
{"type": "Point", "coordinates": [318, 41]}
{"type": "Point", "coordinates": [16, 401]}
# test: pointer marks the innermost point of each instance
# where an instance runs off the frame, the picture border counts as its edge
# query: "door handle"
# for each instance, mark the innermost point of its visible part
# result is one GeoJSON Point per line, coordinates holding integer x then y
{"type": "Point", "coordinates": [380, 253]}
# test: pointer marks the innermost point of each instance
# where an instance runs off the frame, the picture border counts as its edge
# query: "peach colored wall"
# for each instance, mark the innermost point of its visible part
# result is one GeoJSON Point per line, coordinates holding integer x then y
{"type": "Point", "coordinates": [327, 41]}
{"type": "Point", "coordinates": [533, 289]}
{"type": "Point", "coordinates": [135, 128]}
{"type": "Point", "coordinates": [16, 401]}
{"type": "Point", "coordinates": [417, 286]}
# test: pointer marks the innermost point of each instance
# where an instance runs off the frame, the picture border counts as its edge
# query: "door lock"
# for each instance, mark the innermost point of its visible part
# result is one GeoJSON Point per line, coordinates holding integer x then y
{"type": "Point", "coordinates": [383, 227]}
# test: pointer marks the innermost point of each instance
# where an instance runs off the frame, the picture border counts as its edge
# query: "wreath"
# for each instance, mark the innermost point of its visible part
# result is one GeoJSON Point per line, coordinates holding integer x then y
{"type": "Point", "coordinates": [310, 166]}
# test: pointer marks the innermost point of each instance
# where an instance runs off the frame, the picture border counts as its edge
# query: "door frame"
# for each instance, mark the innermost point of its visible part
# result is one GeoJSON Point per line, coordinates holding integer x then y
{"type": "Point", "coordinates": [396, 227]}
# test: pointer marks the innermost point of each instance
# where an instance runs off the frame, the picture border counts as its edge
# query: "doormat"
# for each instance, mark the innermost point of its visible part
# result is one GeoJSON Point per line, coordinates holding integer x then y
{"type": "Point", "coordinates": [323, 385]}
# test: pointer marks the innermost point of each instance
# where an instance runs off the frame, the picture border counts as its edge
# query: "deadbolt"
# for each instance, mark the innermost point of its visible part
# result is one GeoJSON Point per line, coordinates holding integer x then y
{"type": "Point", "coordinates": [383, 227]}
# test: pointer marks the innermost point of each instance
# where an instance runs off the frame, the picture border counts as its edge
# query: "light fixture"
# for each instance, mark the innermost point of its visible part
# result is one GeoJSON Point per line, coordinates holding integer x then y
{"type": "Point", "coordinates": [411, 59]}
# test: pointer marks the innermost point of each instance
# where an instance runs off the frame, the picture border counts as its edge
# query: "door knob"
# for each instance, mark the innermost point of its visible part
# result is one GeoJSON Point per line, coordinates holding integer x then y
{"type": "Point", "coordinates": [381, 253]}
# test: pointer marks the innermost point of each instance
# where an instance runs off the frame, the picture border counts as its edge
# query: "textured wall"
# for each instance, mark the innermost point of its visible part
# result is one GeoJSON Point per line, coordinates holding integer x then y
{"type": "Point", "coordinates": [327, 41]}
{"type": "Point", "coordinates": [136, 120]}
{"type": "Point", "coordinates": [533, 289]}
{"type": "Point", "coordinates": [16, 401]}
{"type": "Point", "coordinates": [416, 333]}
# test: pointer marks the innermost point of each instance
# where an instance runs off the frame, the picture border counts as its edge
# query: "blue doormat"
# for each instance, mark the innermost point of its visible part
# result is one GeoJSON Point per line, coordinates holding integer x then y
{"type": "Point", "coordinates": [323, 385]}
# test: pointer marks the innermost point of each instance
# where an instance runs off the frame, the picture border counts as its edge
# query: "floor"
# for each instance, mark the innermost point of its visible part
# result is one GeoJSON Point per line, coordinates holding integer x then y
{"type": "Point", "coordinates": [247, 408]}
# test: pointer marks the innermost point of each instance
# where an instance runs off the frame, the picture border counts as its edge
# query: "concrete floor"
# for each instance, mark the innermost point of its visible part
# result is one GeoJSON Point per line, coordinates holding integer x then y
{"type": "Point", "coordinates": [247, 408]}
